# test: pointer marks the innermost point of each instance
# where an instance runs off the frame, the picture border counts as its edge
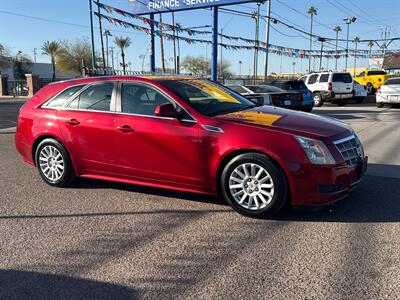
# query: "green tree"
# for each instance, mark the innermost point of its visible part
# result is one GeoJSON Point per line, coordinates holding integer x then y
{"type": "Point", "coordinates": [200, 66]}
{"type": "Point", "coordinates": [21, 65]}
{"type": "Point", "coordinates": [4, 57]}
{"type": "Point", "coordinates": [122, 43]}
{"type": "Point", "coordinates": [74, 55]}
{"type": "Point", "coordinates": [52, 49]}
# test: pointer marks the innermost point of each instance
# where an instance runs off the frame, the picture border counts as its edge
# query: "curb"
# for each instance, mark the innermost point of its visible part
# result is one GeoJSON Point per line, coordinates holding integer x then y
{"type": "Point", "coordinates": [8, 130]}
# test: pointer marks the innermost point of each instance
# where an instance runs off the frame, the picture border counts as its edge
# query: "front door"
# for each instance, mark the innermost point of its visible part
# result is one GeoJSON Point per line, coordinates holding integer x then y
{"type": "Point", "coordinates": [152, 148]}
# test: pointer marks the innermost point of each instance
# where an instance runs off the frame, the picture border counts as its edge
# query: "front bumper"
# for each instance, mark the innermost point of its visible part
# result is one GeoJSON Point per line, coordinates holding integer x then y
{"type": "Point", "coordinates": [328, 185]}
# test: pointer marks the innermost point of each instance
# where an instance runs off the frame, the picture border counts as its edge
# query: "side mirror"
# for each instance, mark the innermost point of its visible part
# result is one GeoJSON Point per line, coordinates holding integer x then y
{"type": "Point", "coordinates": [167, 110]}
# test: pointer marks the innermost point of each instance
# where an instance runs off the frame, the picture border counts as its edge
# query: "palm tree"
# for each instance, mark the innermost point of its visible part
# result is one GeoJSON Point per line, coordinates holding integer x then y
{"type": "Point", "coordinates": [122, 43]}
{"type": "Point", "coordinates": [356, 40]}
{"type": "Point", "coordinates": [52, 49]}
{"type": "Point", "coordinates": [312, 11]}
{"type": "Point", "coordinates": [337, 29]}
{"type": "Point", "coordinates": [370, 44]}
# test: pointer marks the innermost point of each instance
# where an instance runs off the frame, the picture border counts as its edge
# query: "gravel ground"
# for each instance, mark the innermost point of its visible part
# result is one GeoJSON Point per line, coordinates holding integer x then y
{"type": "Point", "coordinates": [112, 241]}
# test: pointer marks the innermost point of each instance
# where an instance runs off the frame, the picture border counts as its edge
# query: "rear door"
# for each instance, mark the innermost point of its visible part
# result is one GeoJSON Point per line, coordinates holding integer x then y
{"type": "Point", "coordinates": [342, 83]}
{"type": "Point", "coordinates": [87, 126]}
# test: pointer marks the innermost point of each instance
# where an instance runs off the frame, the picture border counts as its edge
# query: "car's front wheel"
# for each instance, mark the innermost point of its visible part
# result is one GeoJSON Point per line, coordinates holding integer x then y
{"type": "Point", "coordinates": [54, 163]}
{"type": "Point", "coordinates": [254, 186]}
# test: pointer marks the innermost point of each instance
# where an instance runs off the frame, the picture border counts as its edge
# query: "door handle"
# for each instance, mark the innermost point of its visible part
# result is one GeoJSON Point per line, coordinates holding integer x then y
{"type": "Point", "coordinates": [73, 122]}
{"type": "Point", "coordinates": [125, 129]}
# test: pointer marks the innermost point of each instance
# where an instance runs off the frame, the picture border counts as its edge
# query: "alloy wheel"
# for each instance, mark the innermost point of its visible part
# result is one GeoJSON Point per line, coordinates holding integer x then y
{"type": "Point", "coordinates": [251, 186]}
{"type": "Point", "coordinates": [51, 163]}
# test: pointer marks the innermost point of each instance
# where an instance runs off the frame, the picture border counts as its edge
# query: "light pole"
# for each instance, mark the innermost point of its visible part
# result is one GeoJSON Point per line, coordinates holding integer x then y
{"type": "Point", "coordinates": [240, 68]}
{"type": "Point", "coordinates": [312, 11]}
{"type": "Point", "coordinates": [356, 40]}
{"type": "Point", "coordinates": [348, 21]}
{"type": "Point", "coordinates": [322, 40]}
{"type": "Point", "coordinates": [337, 29]}
{"type": "Point", "coordinates": [370, 44]}
{"type": "Point", "coordinates": [294, 68]}
{"type": "Point", "coordinates": [92, 33]}
{"type": "Point", "coordinates": [107, 34]}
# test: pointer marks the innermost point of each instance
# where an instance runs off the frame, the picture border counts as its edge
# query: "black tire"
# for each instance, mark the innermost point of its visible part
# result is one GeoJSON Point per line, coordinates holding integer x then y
{"type": "Point", "coordinates": [278, 179]}
{"type": "Point", "coordinates": [318, 102]}
{"type": "Point", "coordinates": [379, 104]}
{"type": "Point", "coordinates": [68, 174]}
{"type": "Point", "coordinates": [360, 100]}
{"type": "Point", "coordinates": [341, 102]}
{"type": "Point", "coordinates": [370, 88]}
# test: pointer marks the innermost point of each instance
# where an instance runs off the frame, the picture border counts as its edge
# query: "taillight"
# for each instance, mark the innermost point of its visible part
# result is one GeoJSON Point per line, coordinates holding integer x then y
{"type": "Point", "coordinates": [330, 86]}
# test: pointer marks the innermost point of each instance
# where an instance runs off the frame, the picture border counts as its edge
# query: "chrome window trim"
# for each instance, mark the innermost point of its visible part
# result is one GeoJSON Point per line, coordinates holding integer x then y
{"type": "Point", "coordinates": [345, 139]}
{"type": "Point", "coordinates": [44, 105]}
{"type": "Point", "coordinates": [212, 128]}
{"type": "Point", "coordinates": [112, 103]}
{"type": "Point", "coordinates": [118, 108]}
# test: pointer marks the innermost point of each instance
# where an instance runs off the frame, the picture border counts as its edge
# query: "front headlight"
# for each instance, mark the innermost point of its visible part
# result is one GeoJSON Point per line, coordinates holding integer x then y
{"type": "Point", "coordinates": [316, 151]}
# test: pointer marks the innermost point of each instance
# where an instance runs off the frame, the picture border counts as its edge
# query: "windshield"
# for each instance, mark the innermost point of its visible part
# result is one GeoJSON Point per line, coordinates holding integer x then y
{"type": "Point", "coordinates": [207, 97]}
{"type": "Point", "coordinates": [264, 89]}
{"type": "Point", "coordinates": [392, 81]}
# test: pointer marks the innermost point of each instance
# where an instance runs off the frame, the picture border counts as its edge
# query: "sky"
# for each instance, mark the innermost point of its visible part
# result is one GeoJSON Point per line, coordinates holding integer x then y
{"type": "Point", "coordinates": [26, 24]}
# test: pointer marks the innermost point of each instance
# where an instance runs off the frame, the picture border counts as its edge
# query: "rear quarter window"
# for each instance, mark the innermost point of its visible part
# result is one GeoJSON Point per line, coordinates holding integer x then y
{"type": "Point", "coordinates": [63, 97]}
{"type": "Point", "coordinates": [342, 77]}
{"type": "Point", "coordinates": [324, 78]}
{"type": "Point", "coordinates": [371, 73]}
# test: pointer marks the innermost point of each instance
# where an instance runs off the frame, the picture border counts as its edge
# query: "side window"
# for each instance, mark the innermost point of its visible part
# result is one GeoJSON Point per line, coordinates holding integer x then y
{"type": "Point", "coordinates": [96, 97]}
{"type": "Point", "coordinates": [324, 78]}
{"type": "Point", "coordinates": [63, 97]}
{"type": "Point", "coordinates": [312, 79]}
{"type": "Point", "coordinates": [362, 74]}
{"type": "Point", "coordinates": [140, 99]}
{"type": "Point", "coordinates": [303, 79]}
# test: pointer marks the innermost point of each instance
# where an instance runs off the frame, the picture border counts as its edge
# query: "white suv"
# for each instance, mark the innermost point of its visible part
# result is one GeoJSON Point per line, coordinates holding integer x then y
{"type": "Point", "coordinates": [329, 86]}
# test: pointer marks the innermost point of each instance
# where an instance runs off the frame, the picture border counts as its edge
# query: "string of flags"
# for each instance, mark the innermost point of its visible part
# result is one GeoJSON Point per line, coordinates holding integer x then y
{"type": "Point", "coordinates": [253, 44]}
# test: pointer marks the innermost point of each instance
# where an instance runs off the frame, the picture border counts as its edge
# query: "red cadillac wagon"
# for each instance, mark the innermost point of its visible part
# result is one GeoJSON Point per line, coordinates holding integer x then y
{"type": "Point", "coordinates": [191, 135]}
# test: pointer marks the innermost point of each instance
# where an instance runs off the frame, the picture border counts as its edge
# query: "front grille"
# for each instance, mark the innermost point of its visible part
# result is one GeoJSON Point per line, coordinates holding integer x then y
{"type": "Point", "coordinates": [351, 149]}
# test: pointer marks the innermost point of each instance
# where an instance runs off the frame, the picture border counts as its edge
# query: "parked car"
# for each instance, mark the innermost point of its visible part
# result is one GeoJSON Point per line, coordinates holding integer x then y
{"type": "Point", "coordinates": [372, 79]}
{"type": "Point", "coordinates": [297, 86]}
{"type": "Point", "coordinates": [360, 92]}
{"type": "Point", "coordinates": [389, 92]}
{"type": "Point", "coordinates": [270, 95]}
{"type": "Point", "coordinates": [334, 87]}
{"type": "Point", "coordinates": [190, 135]}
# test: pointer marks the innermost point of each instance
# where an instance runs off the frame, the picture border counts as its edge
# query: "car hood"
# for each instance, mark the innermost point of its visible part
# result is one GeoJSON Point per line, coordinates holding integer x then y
{"type": "Point", "coordinates": [290, 121]}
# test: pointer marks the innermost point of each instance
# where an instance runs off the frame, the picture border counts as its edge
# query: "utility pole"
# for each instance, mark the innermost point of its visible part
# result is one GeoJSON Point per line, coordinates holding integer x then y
{"type": "Point", "coordinates": [101, 35]}
{"type": "Point", "coordinates": [112, 57]}
{"type": "Point", "coordinates": [173, 24]}
{"type": "Point", "coordinates": [34, 55]}
{"type": "Point", "coordinates": [220, 59]}
{"type": "Point", "coordinates": [337, 29]}
{"type": "Point", "coordinates": [311, 11]}
{"type": "Point", "coordinates": [256, 16]}
{"type": "Point", "coordinates": [322, 40]}
{"type": "Point", "coordinates": [267, 40]}
{"type": "Point", "coordinates": [385, 36]}
{"type": "Point", "coordinates": [356, 41]}
{"type": "Point", "coordinates": [92, 34]}
{"type": "Point", "coordinates": [107, 34]}
{"type": "Point", "coordinates": [240, 68]}
{"type": "Point", "coordinates": [162, 46]}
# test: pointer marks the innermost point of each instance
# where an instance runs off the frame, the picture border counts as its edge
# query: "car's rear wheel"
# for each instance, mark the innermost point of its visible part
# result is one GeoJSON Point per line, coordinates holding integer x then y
{"type": "Point", "coordinates": [379, 104]}
{"type": "Point", "coordinates": [254, 186]}
{"type": "Point", "coordinates": [54, 163]}
{"type": "Point", "coordinates": [318, 99]}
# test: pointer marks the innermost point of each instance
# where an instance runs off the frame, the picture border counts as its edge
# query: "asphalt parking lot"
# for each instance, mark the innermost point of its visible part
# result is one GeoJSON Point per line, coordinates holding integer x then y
{"type": "Point", "coordinates": [105, 240]}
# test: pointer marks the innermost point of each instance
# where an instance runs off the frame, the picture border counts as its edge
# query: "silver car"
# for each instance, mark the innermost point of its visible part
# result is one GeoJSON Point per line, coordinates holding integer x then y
{"type": "Point", "coordinates": [389, 92]}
